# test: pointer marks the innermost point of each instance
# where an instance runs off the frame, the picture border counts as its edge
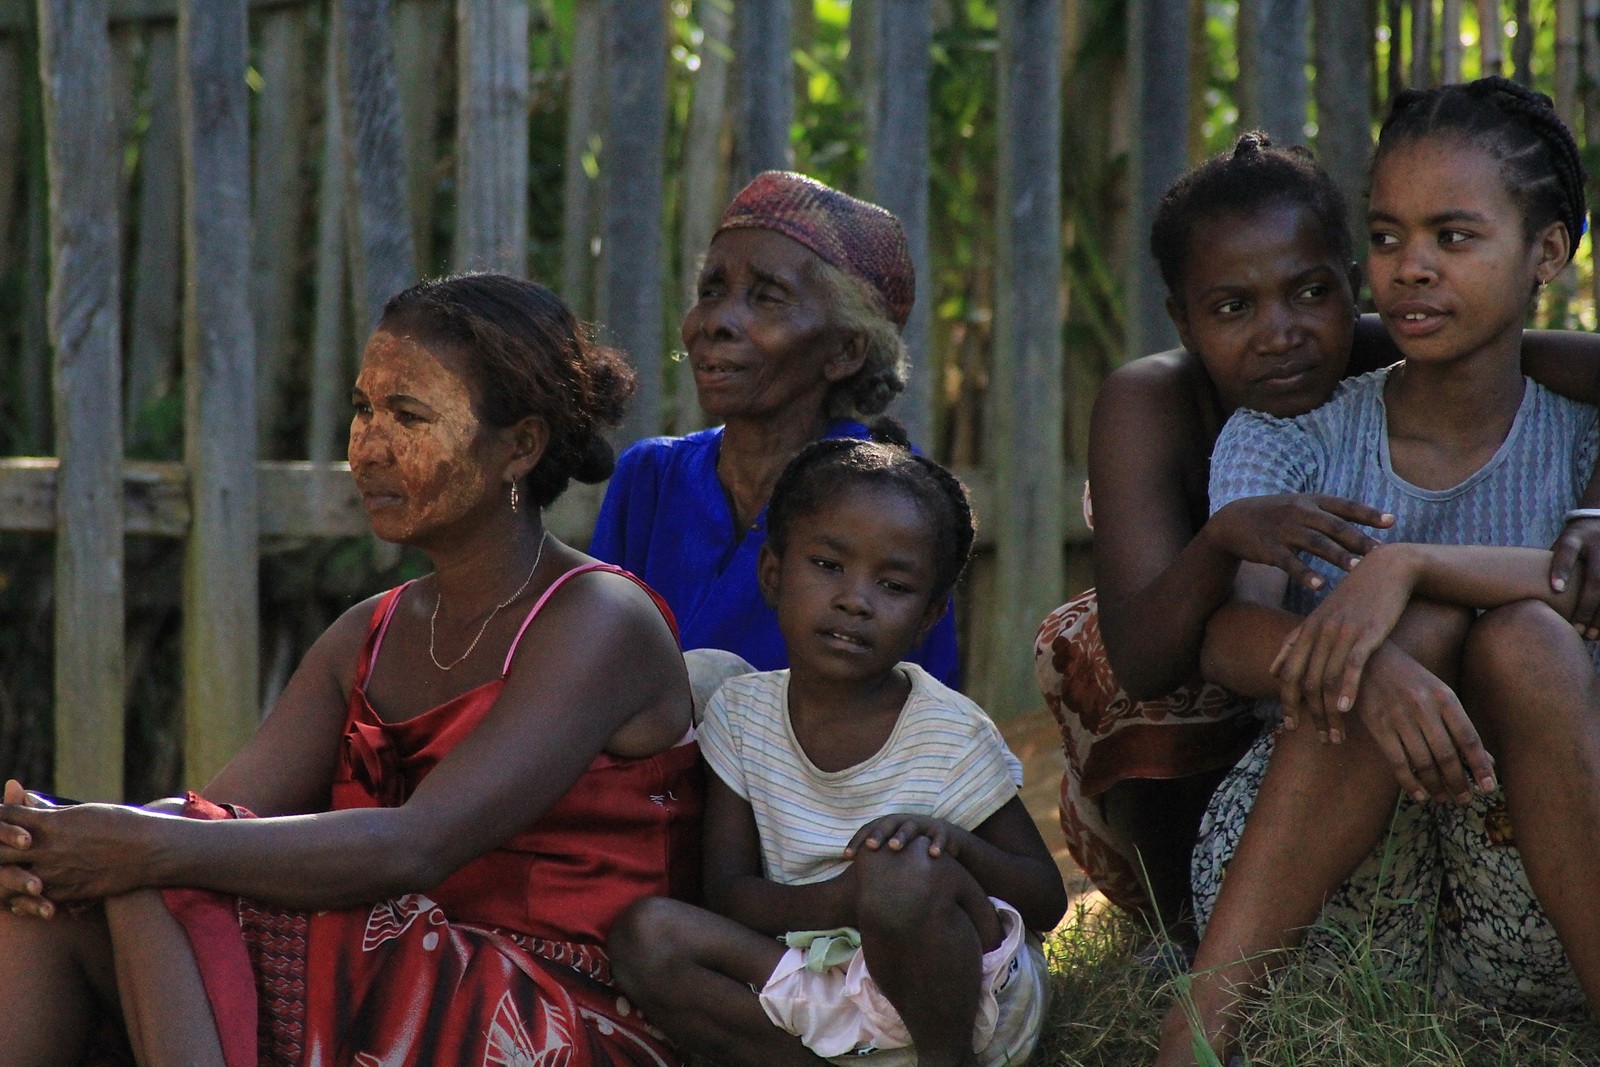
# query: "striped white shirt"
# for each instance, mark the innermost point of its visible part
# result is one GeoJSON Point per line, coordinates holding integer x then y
{"type": "Point", "coordinates": [944, 758]}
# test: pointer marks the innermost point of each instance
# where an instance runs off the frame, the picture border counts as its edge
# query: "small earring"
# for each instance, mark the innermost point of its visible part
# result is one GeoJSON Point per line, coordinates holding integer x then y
{"type": "Point", "coordinates": [513, 498]}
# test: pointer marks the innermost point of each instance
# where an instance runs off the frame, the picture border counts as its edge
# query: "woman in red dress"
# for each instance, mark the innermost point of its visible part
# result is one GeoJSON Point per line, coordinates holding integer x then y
{"type": "Point", "coordinates": [418, 857]}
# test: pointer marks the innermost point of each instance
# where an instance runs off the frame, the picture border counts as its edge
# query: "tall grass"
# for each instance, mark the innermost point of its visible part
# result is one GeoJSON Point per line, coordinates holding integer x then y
{"type": "Point", "coordinates": [1325, 1014]}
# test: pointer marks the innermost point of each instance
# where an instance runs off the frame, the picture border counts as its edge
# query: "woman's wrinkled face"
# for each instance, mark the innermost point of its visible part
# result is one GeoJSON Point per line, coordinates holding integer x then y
{"type": "Point", "coordinates": [420, 456]}
{"type": "Point", "coordinates": [1268, 307]}
{"type": "Point", "coordinates": [759, 337]}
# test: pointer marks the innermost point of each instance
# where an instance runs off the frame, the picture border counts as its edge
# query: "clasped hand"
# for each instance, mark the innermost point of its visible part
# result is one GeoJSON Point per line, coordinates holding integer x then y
{"type": "Point", "coordinates": [74, 854]}
{"type": "Point", "coordinates": [895, 832]}
{"type": "Point", "coordinates": [1339, 660]}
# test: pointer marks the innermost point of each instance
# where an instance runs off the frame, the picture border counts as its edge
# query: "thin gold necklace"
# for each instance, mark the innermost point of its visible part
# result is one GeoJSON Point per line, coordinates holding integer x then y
{"type": "Point", "coordinates": [439, 598]}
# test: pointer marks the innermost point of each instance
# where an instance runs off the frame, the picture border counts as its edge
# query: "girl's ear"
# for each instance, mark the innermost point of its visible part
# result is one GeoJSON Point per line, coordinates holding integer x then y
{"type": "Point", "coordinates": [936, 609]}
{"type": "Point", "coordinates": [769, 570]}
{"type": "Point", "coordinates": [850, 357]}
{"type": "Point", "coordinates": [1554, 247]}
{"type": "Point", "coordinates": [529, 437]}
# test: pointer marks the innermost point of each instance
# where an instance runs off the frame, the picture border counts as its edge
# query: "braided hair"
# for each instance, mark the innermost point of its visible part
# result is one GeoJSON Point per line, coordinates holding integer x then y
{"type": "Point", "coordinates": [823, 469]}
{"type": "Point", "coordinates": [1254, 175]}
{"type": "Point", "coordinates": [1519, 127]}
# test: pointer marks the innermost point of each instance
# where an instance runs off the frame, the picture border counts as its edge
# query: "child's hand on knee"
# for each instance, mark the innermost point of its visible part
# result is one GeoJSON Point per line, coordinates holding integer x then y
{"type": "Point", "coordinates": [895, 832]}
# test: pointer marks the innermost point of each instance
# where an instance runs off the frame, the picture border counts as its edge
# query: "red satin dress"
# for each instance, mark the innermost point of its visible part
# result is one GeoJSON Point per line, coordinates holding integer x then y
{"type": "Point", "coordinates": [502, 963]}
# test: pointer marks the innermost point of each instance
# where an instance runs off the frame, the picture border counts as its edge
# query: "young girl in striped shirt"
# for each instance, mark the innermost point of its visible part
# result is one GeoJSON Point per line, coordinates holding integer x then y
{"type": "Point", "coordinates": [872, 874]}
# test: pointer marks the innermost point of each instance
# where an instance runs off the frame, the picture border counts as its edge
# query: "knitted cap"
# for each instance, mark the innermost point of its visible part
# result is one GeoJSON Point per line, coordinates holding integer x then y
{"type": "Point", "coordinates": [859, 238]}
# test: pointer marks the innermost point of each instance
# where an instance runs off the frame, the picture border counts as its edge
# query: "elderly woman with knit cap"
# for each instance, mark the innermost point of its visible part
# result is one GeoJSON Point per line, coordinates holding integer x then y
{"type": "Point", "coordinates": [794, 336]}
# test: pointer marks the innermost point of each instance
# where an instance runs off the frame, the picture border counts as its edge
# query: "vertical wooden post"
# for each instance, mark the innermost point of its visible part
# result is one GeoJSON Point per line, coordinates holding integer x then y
{"type": "Point", "coordinates": [85, 325]}
{"type": "Point", "coordinates": [12, 159]}
{"type": "Point", "coordinates": [1027, 449]}
{"type": "Point", "coordinates": [492, 135]}
{"type": "Point", "coordinates": [1421, 43]}
{"type": "Point", "coordinates": [1522, 43]}
{"type": "Point", "coordinates": [382, 258]}
{"type": "Point", "coordinates": [153, 323]}
{"type": "Point", "coordinates": [1569, 24]}
{"type": "Point", "coordinates": [36, 395]}
{"type": "Point", "coordinates": [766, 96]}
{"type": "Point", "coordinates": [1158, 77]}
{"type": "Point", "coordinates": [897, 178]}
{"type": "Point", "coordinates": [704, 192]}
{"type": "Point", "coordinates": [1450, 42]}
{"type": "Point", "coordinates": [1273, 45]}
{"type": "Point", "coordinates": [220, 621]}
{"type": "Point", "coordinates": [1395, 73]}
{"type": "Point", "coordinates": [630, 297]}
{"type": "Point", "coordinates": [275, 266]}
{"type": "Point", "coordinates": [421, 29]}
{"type": "Point", "coordinates": [585, 89]}
{"type": "Point", "coordinates": [328, 318]}
{"type": "Point", "coordinates": [1491, 38]}
{"type": "Point", "coordinates": [1344, 118]}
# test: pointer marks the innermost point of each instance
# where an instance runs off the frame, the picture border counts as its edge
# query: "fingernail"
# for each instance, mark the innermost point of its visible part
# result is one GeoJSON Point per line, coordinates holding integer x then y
{"type": "Point", "coordinates": [1420, 795]}
{"type": "Point", "coordinates": [24, 839]}
{"type": "Point", "coordinates": [1344, 703]}
{"type": "Point", "coordinates": [1322, 735]}
{"type": "Point", "coordinates": [1353, 561]}
{"type": "Point", "coordinates": [1558, 584]}
{"type": "Point", "coordinates": [34, 886]}
{"type": "Point", "coordinates": [1336, 736]}
{"type": "Point", "coordinates": [1488, 783]}
{"type": "Point", "coordinates": [1464, 797]}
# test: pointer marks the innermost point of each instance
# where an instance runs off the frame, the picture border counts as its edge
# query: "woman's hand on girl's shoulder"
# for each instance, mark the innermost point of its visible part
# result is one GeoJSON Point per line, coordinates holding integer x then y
{"type": "Point", "coordinates": [1274, 530]}
{"type": "Point", "coordinates": [1576, 555]}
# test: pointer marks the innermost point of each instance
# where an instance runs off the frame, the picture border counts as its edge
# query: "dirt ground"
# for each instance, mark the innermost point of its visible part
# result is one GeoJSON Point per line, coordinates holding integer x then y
{"type": "Point", "coordinates": [1037, 742]}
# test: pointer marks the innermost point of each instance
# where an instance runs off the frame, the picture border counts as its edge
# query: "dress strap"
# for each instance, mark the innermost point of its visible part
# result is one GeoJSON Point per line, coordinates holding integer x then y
{"type": "Point", "coordinates": [376, 629]}
{"type": "Point", "coordinates": [661, 605]}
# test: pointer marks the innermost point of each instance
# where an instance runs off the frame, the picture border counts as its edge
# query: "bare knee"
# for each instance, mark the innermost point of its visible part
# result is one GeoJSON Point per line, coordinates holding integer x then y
{"type": "Point", "coordinates": [644, 942]}
{"type": "Point", "coordinates": [1523, 663]}
{"type": "Point", "coordinates": [908, 893]}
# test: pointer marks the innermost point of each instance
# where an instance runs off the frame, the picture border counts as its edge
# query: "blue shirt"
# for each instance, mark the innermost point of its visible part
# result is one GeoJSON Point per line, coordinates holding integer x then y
{"type": "Point", "coordinates": [667, 519]}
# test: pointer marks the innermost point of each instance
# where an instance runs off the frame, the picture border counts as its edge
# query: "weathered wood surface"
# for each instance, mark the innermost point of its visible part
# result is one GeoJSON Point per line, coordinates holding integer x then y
{"type": "Point", "coordinates": [1491, 37]}
{"type": "Point", "coordinates": [278, 197]}
{"type": "Point", "coordinates": [220, 617]}
{"type": "Point", "coordinates": [299, 499]}
{"type": "Point", "coordinates": [630, 296]}
{"type": "Point", "coordinates": [382, 258]}
{"type": "Point", "coordinates": [421, 31]}
{"type": "Point", "coordinates": [1422, 43]}
{"type": "Point", "coordinates": [1450, 41]}
{"type": "Point", "coordinates": [1158, 79]}
{"type": "Point", "coordinates": [1025, 443]}
{"type": "Point", "coordinates": [18, 14]}
{"type": "Point", "coordinates": [1273, 41]}
{"type": "Point", "coordinates": [12, 168]}
{"type": "Point", "coordinates": [705, 192]}
{"type": "Point", "coordinates": [897, 178]}
{"type": "Point", "coordinates": [85, 305]}
{"type": "Point", "coordinates": [585, 99]}
{"type": "Point", "coordinates": [329, 322]}
{"type": "Point", "coordinates": [1343, 46]}
{"type": "Point", "coordinates": [153, 325]}
{"type": "Point", "coordinates": [35, 402]}
{"type": "Point", "coordinates": [492, 136]}
{"type": "Point", "coordinates": [1569, 25]}
{"type": "Point", "coordinates": [765, 101]}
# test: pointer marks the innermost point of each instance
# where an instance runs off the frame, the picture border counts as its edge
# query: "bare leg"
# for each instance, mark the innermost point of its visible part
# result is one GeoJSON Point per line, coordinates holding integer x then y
{"type": "Point", "coordinates": [1339, 796]}
{"type": "Point", "coordinates": [57, 978]}
{"type": "Point", "coordinates": [168, 1016]}
{"type": "Point", "coordinates": [925, 925]}
{"type": "Point", "coordinates": [695, 974]}
{"type": "Point", "coordinates": [1534, 690]}
{"type": "Point", "coordinates": [1161, 819]}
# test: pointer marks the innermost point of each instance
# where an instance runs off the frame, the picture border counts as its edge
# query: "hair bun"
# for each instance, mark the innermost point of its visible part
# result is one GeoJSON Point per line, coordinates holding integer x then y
{"type": "Point", "coordinates": [595, 460]}
{"type": "Point", "coordinates": [888, 430]}
{"type": "Point", "coordinates": [1251, 143]}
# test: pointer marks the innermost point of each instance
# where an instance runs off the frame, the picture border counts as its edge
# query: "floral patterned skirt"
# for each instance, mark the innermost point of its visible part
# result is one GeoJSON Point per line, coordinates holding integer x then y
{"type": "Point", "coordinates": [1109, 737]}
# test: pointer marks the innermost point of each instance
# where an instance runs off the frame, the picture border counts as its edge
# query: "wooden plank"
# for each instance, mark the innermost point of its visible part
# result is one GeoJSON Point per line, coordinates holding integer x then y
{"type": "Point", "coordinates": [220, 624]}
{"type": "Point", "coordinates": [157, 277]}
{"type": "Point", "coordinates": [278, 197]}
{"type": "Point", "coordinates": [1158, 79]}
{"type": "Point", "coordinates": [1522, 43]}
{"type": "Point", "coordinates": [421, 30]}
{"type": "Point", "coordinates": [1491, 38]}
{"type": "Point", "coordinates": [766, 89]}
{"type": "Point", "coordinates": [1275, 35]}
{"type": "Point", "coordinates": [329, 380]}
{"type": "Point", "coordinates": [1343, 45]}
{"type": "Point", "coordinates": [12, 167]}
{"type": "Point", "coordinates": [1422, 43]}
{"type": "Point", "coordinates": [492, 136]}
{"type": "Point", "coordinates": [85, 306]}
{"type": "Point", "coordinates": [585, 95]}
{"type": "Point", "coordinates": [630, 296]}
{"type": "Point", "coordinates": [17, 15]}
{"type": "Point", "coordinates": [382, 259]}
{"type": "Point", "coordinates": [35, 400]}
{"type": "Point", "coordinates": [1569, 22]}
{"type": "Point", "coordinates": [1450, 41]}
{"type": "Point", "coordinates": [897, 178]}
{"type": "Point", "coordinates": [1025, 398]}
{"type": "Point", "coordinates": [704, 183]}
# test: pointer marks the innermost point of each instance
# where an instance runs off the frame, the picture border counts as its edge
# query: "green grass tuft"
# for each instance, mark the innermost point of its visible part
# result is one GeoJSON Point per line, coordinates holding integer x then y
{"type": "Point", "coordinates": [1107, 1010]}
